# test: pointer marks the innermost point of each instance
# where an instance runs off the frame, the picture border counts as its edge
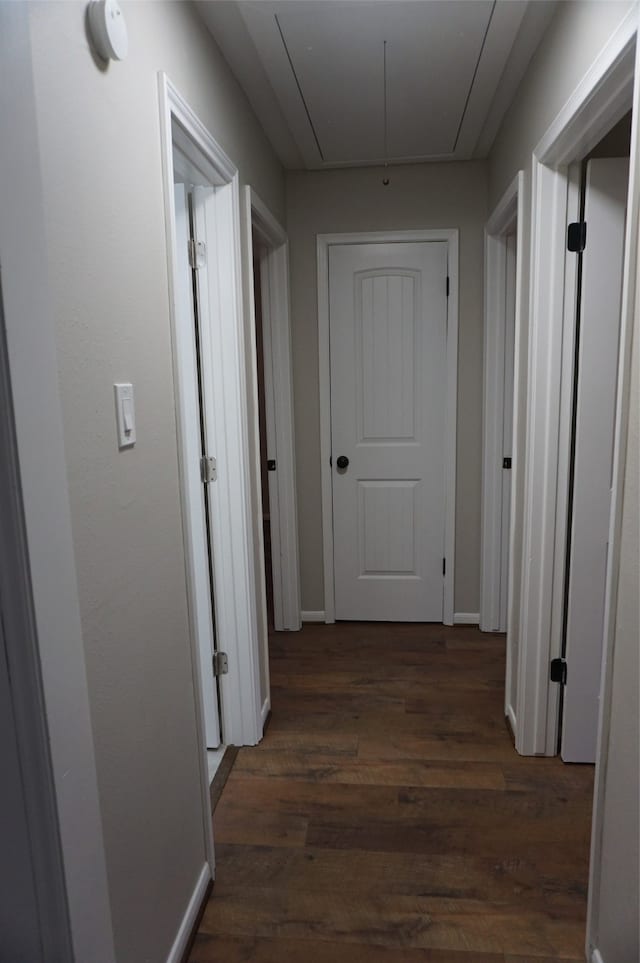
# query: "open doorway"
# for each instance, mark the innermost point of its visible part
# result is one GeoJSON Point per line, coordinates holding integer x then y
{"type": "Point", "coordinates": [502, 334]}
{"type": "Point", "coordinates": [596, 244]}
{"type": "Point", "coordinates": [266, 464]}
{"type": "Point", "coordinates": [267, 260]}
{"type": "Point", "coordinates": [202, 208]}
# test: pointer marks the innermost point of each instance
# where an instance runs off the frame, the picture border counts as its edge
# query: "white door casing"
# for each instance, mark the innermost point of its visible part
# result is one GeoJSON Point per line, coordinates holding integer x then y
{"type": "Point", "coordinates": [262, 226]}
{"type": "Point", "coordinates": [601, 98]}
{"type": "Point", "coordinates": [391, 388]}
{"type": "Point", "coordinates": [597, 368]}
{"type": "Point", "coordinates": [235, 580]}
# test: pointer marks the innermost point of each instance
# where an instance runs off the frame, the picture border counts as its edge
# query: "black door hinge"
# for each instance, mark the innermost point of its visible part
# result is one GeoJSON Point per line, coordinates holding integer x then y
{"type": "Point", "coordinates": [447, 286]}
{"type": "Point", "coordinates": [577, 236]}
{"type": "Point", "coordinates": [271, 464]}
{"type": "Point", "coordinates": [506, 463]}
{"type": "Point", "coordinates": [558, 671]}
{"type": "Point", "coordinates": [444, 566]}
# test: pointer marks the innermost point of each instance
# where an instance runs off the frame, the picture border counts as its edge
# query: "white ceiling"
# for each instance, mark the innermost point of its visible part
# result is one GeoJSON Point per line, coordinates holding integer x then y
{"type": "Point", "coordinates": [313, 71]}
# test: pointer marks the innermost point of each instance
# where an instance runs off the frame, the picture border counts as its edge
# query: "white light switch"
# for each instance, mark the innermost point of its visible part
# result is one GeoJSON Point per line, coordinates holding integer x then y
{"type": "Point", "coordinates": [125, 415]}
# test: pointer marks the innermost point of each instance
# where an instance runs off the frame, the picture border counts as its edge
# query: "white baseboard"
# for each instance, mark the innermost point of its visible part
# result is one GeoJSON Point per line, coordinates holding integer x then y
{"type": "Point", "coordinates": [596, 956]}
{"type": "Point", "coordinates": [511, 716]}
{"type": "Point", "coordinates": [266, 706]}
{"type": "Point", "coordinates": [189, 919]}
{"type": "Point", "coordinates": [312, 616]}
{"type": "Point", "coordinates": [466, 618]}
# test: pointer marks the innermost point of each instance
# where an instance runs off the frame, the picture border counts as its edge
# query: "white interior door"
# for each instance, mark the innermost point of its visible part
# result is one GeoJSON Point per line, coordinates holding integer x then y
{"type": "Point", "coordinates": [388, 339]}
{"type": "Point", "coordinates": [507, 422]}
{"type": "Point", "coordinates": [600, 304]}
{"type": "Point", "coordinates": [199, 560]}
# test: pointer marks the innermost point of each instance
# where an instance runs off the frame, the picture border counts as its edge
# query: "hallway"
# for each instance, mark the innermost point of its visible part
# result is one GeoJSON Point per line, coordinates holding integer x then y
{"type": "Point", "coordinates": [386, 817]}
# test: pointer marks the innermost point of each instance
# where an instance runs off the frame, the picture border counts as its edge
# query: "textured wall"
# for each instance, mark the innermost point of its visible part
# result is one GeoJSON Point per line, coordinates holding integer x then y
{"type": "Point", "coordinates": [105, 233]}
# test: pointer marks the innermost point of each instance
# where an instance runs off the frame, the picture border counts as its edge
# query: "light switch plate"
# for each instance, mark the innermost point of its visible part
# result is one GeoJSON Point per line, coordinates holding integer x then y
{"type": "Point", "coordinates": [125, 415]}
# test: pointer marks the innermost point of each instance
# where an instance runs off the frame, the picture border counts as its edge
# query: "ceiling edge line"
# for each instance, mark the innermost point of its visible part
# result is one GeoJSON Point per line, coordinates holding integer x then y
{"type": "Point", "coordinates": [295, 77]}
{"type": "Point", "coordinates": [473, 79]}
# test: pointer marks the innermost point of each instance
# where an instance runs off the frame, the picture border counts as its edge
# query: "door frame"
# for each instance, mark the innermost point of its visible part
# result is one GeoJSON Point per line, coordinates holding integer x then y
{"type": "Point", "coordinates": [234, 570]}
{"type": "Point", "coordinates": [262, 226]}
{"type": "Point", "coordinates": [602, 98]}
{"type": "Point", "coordinates": [324, 243]}
{"type": "Point", "coordinates": [508, 213]}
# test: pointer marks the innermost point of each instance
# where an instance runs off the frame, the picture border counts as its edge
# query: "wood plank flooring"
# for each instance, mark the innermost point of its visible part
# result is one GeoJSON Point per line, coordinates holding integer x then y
{"type": "Point", "coordinates": [386, 817]}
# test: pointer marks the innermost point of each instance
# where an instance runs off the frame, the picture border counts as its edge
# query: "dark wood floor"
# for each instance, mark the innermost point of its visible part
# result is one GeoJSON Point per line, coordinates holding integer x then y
{"type": "Point", "coordinates": [386, 817]}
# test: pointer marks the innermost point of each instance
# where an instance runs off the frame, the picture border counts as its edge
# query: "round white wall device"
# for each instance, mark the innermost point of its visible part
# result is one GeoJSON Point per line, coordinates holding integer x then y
{"type": "Point", "coordinates": [108, 29]}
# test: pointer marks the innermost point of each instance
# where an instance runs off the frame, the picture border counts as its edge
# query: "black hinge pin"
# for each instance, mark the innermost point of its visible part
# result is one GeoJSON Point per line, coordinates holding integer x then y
{"type": "Point", "coordinates": [558, 671]}
{"type": "Point", "coordinates": [444, 566]}
{"type": "Point", "coordinates": [577, 237]}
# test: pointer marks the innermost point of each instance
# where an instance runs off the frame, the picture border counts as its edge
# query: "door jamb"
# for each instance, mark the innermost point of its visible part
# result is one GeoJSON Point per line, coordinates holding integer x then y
{"type": "Point", "coordinates": [234, 576]}
{"type": "Point", "coordinates": [262, 226]}
{"type": "Point", "coordinates": [324, 242]}
{"type": "Point", "coordinates": [601, 99]}
{"type": "Point", "coordinates": [508, 213]}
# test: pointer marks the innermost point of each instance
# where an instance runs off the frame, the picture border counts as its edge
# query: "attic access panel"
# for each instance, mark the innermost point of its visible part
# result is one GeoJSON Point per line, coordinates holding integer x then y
{"type": "Point", "coordinates": [324, 61]}
{"type": "Point", "coordinates": [336, 53]}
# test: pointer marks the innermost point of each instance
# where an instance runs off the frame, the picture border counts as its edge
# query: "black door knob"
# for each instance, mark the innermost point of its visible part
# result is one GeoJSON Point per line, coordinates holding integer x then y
{"type": "Point", "coordinates": [342, 461]}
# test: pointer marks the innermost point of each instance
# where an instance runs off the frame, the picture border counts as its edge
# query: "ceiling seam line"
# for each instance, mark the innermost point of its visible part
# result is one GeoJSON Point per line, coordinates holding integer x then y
{"type": "Point", "coordinates": [295, 77]}
{"type": "Point", "coordinates": [473, 79]}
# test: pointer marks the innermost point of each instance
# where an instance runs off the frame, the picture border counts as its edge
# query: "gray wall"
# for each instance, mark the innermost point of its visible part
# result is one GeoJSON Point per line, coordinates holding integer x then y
{"type": "Point", "coordinates": [419, 196]}
{"type": "Point", "coordinates": [101, 166]}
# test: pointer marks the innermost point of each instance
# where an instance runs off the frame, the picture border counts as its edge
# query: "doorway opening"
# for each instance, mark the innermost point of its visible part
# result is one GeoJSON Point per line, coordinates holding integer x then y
{"type": "Point", "coordinates": [273, 462]}
{"type": "Point", "coordinates": [202, 218]}
{"type": "Point", "coordinates": [502, 334]}
{"type": "Point", "coordinates": [598, 269]}
{"type": "Point", "coordinates": [266, 464]}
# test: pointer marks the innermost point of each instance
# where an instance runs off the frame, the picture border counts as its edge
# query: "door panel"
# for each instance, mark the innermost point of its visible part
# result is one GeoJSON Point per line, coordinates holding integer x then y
{"type": "Point", "coordinates": [198, 535]}
{"type": "Point", "coordinates": [388, 321]}
{"type": "Point", "coordinates": [605, 207]}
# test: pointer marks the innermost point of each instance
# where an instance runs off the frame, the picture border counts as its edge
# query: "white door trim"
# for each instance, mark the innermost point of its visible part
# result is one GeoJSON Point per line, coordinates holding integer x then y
{"type": "Point", "coordinates": [278, 377]}
{"type": "Point", "coordinates": [234, 574]}
{"type": "Point", "coordinates": [508, 214]}
{"type": "Point", "coordinates": [507, 217]}
{"type": "Point", "coordinates": [630, 310]}
{"type": "Point", "coordinates": [600, 100]}
{"type": "Point", "coordinates": [324, 242]}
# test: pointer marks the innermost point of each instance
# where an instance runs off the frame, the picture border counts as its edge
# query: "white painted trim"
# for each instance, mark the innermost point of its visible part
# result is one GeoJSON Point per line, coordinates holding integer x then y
{"type": "Point", "coordinates": [466, 618]}
{"type": "Point", "coordinates": [278, 372]}
{"type": "Point", "coordinates": [176, 953]}
{"type": "Point", "coordinates": [501, 223]}
{"type": "Point", "coordinates": [234, 575]}
{"type": "Point", "coordinates": [264, 712]}
{"type": "Point", "coordinates": [630, 309]}
{"type": "Point", "coordinates": [601, 98]}
{"type": "Point", "coordinates": [596, 956]}
{"type": "Point", "coordinates": [511, 716]}
{"type": "Point", "coordinates": [324, 242]}
{"type": "Point", "coordinates": [319, 616]}
{"type": "Point", "coordinates": [53, 649]}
